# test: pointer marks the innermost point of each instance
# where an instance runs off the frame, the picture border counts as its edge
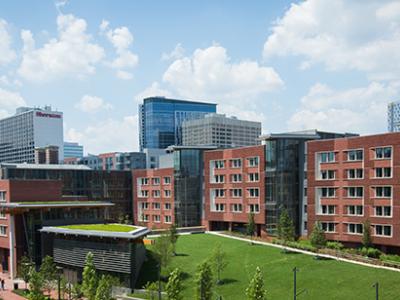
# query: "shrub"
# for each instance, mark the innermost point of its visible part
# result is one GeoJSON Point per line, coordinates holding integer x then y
{"type": "Point", "coordinates": [390, 257]}
{"type": "Point", "coordinates": [334, 245]}
{"type": "Point", "coordinates": [370, 252]}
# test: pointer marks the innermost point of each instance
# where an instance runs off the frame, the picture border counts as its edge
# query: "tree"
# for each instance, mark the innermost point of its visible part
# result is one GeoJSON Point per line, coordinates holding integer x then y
{"type": "Point", "coordinates": [151, 289]}
{"type": "Point", "coordinates": [89, 278]}
{"type": "Point", "coordinates": [24, 269]}
{"type": "Point", "coordinates": [204, 282]}
{"type": "Point", "coordinates": [256, 290]}
{"type": "Point", "coordinates": [251, 226]}
{"type": "Point", "coordinates": [285, 227]}
{"type": "Point", "coordinates": [48, 271]}
{"type": "Point", "coordinates": [366, 239]}
{"type": "Point", "coordinates": [35, 285]}
{"type": "Point", "coordinates": [174, 285]}
{"type": "Point", "coordinates": [219, 261]}
{"type": "Point", "coordinates": [173, 237]}
{"type": "Point", "coordinates": [104, 288]}
{"type": "Point", "coordinates": [317, 238]}
{"type": "Point", "coordinates": [163, 250]}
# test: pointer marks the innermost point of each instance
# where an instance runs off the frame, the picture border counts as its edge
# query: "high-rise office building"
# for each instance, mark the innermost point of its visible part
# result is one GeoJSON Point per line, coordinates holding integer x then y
{"type": "Point", "coordinates": [221, 131]}
{"type": "Point", "coordinates": [72, 150]}
{"type": "Point", "coordinates": [160, 120]}
{"type": "Point", "coordinates": [393, 117]}
{"type": "Point", "coordinates": [28, 129]}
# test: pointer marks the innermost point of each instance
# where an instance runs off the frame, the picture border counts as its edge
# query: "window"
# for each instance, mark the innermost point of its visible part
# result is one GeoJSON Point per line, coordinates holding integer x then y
{"type": "Point", "coordinates": [219, 193]}
{"type": "Point", "coordinates": [383, 191]}
{"type": "Point", "coordinates": [167, 206]}
{"type": "Point", "coordinates": [156, 218]}
{"type": "Point", "coordinates": [144, 205]}
{"type": "Point", "coordinates": [383, 230]}
{"type": "Point", "coordinates": [2, 215]}
{"type": "Point", "coordinates": [156, 205]}
{"type": "Point", "coordinates": [383, 172]}
{"type": "Point", "coordinates": [167, 219]}
{"type": "Point", "coordinates": [328, 192]}
{"type": "Point", "coordinates": [219, 207]}
{"type": "Point", "coordinates": [3, 196]}
{"type": "Point", "coordinates": [219, 164]}
{"type": "Point", "coordinates": [328, 226]}
{"type": "Point", "coordinates": [236, 193]}
{"type": "Point", "coordinates": [355, 191]}
{"type": "Point", "coordinates": [167, 180]}
{"type": "Point", "coordinates": [355, 155]}
{"type": "Point", "coordinates": [156, 194]}
{"type": "Point", "coordinates": [219, 179]}
{"type": "Point", "coordinates": [355, 174]}
{"type": "Point", "coordinates": [155, 180]}
{"type": "Point", "coordinates": [253, 177]}
{"type": "Point", "coordinates": [236, 207]}
{"type": "Point", "coordinates": [326, 157]}
{"type": "Point", "coordinates": [144, 181]}
{"type": "Point", "coordinates": [144, 193]}
{"type": "Point", "coordinates": [254, 208]}
{"type": "Point", "coordinates": [236, 178]}
{"type": "Point", "coordinates": [383, 211]}
{"type": "Point", "coordinates": [328, 209]}
{"type": "Point", "coordinates": [145, 218]}
{"type": "Point", "coordinates": [3, 230]}
{"type": "Point", "coordinates": [355, 210]}
{"type": "Point", "coordinates": [383, 152]}
{"type": "Point", "coordinates": [354, 228]}
{"type": "Point", "coordinates": [327, 174]}
{"type": "Point", "coordinates": [167, 193]}
{"type": "Point", "coordinates": [253, 192]}
{"type": "Point", "coordinates": [252, 161]}
{"type": "Point", "coordinates": [236, 163]}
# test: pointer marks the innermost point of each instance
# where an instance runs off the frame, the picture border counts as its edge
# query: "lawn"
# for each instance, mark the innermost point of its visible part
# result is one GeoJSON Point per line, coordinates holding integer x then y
{"type": "Point", "coordinates": [322, 279]}
{"type": "Point", "coordinates": [101, 227]}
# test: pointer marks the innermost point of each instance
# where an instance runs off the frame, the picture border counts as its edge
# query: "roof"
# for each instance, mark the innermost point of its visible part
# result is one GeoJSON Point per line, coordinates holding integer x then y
{"type": "Point", "coordinates": [198, 147]}
{"type": "Point", "coordinates": [135, 233]}
{"type": "Point", "coordinates": [44, 166]}
{"type": "Point", "coordinates": [310, 134]}
{"type": "Point", "coordinates": [53, 204]}
{"type": "Point", "coordinates": [162, 98]}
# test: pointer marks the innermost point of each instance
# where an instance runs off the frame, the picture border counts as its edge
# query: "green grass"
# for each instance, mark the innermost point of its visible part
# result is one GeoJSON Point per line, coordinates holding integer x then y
{"type": "Point", "coordinates": [101, 227]}
{"type": "Point", "coordinates": [323, 279]}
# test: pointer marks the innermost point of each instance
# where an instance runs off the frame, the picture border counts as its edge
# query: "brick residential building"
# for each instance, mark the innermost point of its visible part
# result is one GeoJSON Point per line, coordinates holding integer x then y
{"type": "Point", "coordinates": [234, 186]}
{"type": "Point", "coordinates": [154, 198]}
{"type": "Point", "coordinates": [351, 180]}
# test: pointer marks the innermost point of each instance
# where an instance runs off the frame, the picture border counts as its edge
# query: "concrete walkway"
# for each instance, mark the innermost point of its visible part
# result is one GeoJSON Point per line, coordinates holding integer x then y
{"type": "Point", "coordinates": [8, 294]}
{"type": "Point", "coordinates": [303, 251]}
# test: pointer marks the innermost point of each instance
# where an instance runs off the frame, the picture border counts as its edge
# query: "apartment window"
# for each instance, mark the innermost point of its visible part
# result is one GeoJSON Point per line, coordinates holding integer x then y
{"type": "Point", "coordinates": [156, 205]}
{"type": "Point", "coordinates": [355, 155]}
{"type": "Point", "coordinates": [383, 152]}
{"type": "Point", "coordinates": [236, 178]}
{"type": "Point", "coordinates": [236, 163]}
{"type": "Point", "coordinates": [219, 178]}
{"type": "Point", "coordinates": [236, 193]}
{"type": "Point", "coordinates": [3, 230]}
{"type": "Point", "coordinates": [383, 191]}
{"type": "Point", "coordinates": [355, 191]}
{"type": "Point", "coordinates": [2, 215]}
{"type": "Point", "coordinates": [2, 196]}
{"type": "Point", "coordinates": [328, 192]}
{"type": "Point", "coordinates": [326, 157]}
{"type": "Point", "coordinates": [219, 164]}
{"type": "Point", "coordinates": [144, 205]}
{"type": "Point", "coordinates": [156, 218]}
{"type": "Point", "coordinates": [167, 180]}
{"type": "Point", "coordinates": [145, 218]}
{"type": "Point", "coordinates": [167, 193]}
{"type": "Point", "coordinates": [328, 209]}
{"type": "Point", "coordinates": [236, 207]}
{"type": "Point", "coordinates": [254, 208]}
{"type": "Point", "coordinates": [355, 174]}
{"type": "Point", "coordinates": [328, 226]}
{"type": "Point", "coordinates": [155, 180]}
{"type": "Point", "coordinates": [327, 174]}
{"type": "Point", "coordinates": [219, 193]}
{"type": "Point", "coordinates": [167, 206]}
{"type": "Point", "coordinates": [253, 177]}
{"type": "Point", "coordinates": [156, 194]}
{"type": "Point", "coordinates": [252, 161]}
{"type": "Point", "coordinates": [383, 172]}
{"type": "Point", "coordinates": [219, 207]}
{"type": "Point", "coordinates": [383, 230]}
{"type": "Point", "coordinates": [354, 228]}
{"type": "Point", "coordinates": [144, 193]}
{"type": "Point", "coordinates": [383, 211]}
{"type": "Point", "coordinates": [144, 181]}
{"type": "Point", "coordinates": [355, 210]}
{"type": "Point", "coordinates": [167, 219]}
{"type": "Point", "coordinates": [253, 192]}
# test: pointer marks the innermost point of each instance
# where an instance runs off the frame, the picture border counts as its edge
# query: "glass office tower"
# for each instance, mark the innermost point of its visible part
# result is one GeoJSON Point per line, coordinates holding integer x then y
{"type": "Point", "coordinates": [393, 117]}
{"type": "Point", "coordinates": [160, 120]}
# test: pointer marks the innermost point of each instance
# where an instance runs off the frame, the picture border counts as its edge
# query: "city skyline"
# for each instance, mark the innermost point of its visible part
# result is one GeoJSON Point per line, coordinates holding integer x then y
{"type": "Point", "coordinates": [256, 62]}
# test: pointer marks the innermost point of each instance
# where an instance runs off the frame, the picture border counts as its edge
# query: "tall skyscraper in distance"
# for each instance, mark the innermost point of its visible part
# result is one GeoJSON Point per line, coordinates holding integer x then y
{"type": "Point", "coordinates": [73, 150]}
{"type": "Point", "coordinates": [393, 117]}
{"type": "Point", "coordinates": [160, 120]}
{"type": "Point", "coordinates": [28, 129]}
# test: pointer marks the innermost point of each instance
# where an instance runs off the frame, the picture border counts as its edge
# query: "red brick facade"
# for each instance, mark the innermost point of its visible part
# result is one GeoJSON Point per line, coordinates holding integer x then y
{"type": "Point", "coordinates": [351, 180]}
{"type": "Point", "coordinates": [234, 186]}
{"type": "Point", "coordinates": [153, 198]}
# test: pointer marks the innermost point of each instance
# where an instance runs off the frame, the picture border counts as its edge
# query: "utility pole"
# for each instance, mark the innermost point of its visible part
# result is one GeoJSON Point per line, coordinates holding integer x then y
{"type": "Point", "coordinates": [376, 286]}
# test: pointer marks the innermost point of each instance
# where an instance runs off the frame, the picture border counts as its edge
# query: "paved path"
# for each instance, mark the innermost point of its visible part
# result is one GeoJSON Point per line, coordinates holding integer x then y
{"type": "Point", "coordinates": [303, 251]}
{"type": "Point", "coordinates": [8, 294]}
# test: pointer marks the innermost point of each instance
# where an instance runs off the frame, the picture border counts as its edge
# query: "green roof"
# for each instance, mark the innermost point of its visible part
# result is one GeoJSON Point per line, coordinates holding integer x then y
{"type": "Point", "coordinates": [101, 227]}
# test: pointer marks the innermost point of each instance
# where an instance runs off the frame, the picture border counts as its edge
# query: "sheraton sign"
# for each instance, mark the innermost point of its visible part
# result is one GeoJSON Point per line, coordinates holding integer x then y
{"type": "Point", "coordinates": [47, 115]}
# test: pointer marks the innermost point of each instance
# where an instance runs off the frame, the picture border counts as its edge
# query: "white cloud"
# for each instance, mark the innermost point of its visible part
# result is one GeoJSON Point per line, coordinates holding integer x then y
{"type": "Point", "coordinates": [176, 53]}
{"type": "Point", "coordinates": [124, 75]}
{"type": "Point", "coordinates": [360, 110]}
{"type": "Point", "coordinates": [92, 104]}
{"type": "Point", "coordinates": [72, 53]}
{"type": "Point", "coordinates": [153, 90]}
{"type": "Point", "coordinates": [7, 54]}
{"type": "Point", "coordinates": [108, 135]}
{"type": "Point", "coordinates": [342, 35]}
{"type": "Point", "coordinates": [9, 101]}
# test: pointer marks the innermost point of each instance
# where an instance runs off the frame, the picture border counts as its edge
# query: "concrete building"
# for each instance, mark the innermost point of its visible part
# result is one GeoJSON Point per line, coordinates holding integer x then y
{"type": "Point", "coordinates": [72, 150]}
{"type": "Point", "coordinates": [160, 120]}
{"type": "Point", "coordinates": [28, 129]}
{"type": "Point", "coordinates": [46, 155]}
{"type": "Point", "coordinates": [351, 180]}
{"type": "Point", "coordinates": [221, 131]}
{"type": "Point", "coordinates": [123, 160]}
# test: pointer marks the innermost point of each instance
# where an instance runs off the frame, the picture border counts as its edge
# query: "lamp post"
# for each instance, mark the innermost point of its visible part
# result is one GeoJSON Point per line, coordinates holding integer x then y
{"type": "Point", "coordinates": [59, 269]}
{"type": "Point", "coordinates": [376, 286]}
{"type": "Point", "coordinates": [295, 293]}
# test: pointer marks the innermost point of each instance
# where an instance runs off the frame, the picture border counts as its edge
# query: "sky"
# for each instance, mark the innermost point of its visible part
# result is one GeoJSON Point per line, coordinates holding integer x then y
{"type": "Point", "coordinates": [292, 65]}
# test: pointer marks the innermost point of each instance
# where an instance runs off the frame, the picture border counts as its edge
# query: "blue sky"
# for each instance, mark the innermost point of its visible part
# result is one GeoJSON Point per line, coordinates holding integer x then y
{"type": "Point", "coordinates": [331, 65]}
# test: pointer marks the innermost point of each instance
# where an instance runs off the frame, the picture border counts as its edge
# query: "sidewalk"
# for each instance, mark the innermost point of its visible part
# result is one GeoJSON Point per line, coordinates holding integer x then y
{"type": "Point", "coordinates": [8, 294]}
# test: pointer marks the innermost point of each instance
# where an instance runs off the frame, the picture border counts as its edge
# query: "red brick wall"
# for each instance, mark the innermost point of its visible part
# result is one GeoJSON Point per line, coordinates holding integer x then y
{"type": "Point", "coordinates": [341, 200]}
{"type": "Point", "coordinates": [151, 212]}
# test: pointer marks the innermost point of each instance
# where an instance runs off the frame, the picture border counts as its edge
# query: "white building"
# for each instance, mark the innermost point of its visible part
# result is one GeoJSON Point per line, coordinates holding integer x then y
{"type": "Point", "coordinates": [393, 117]}
{"type": "Point", "coordinates": [28, 129]}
